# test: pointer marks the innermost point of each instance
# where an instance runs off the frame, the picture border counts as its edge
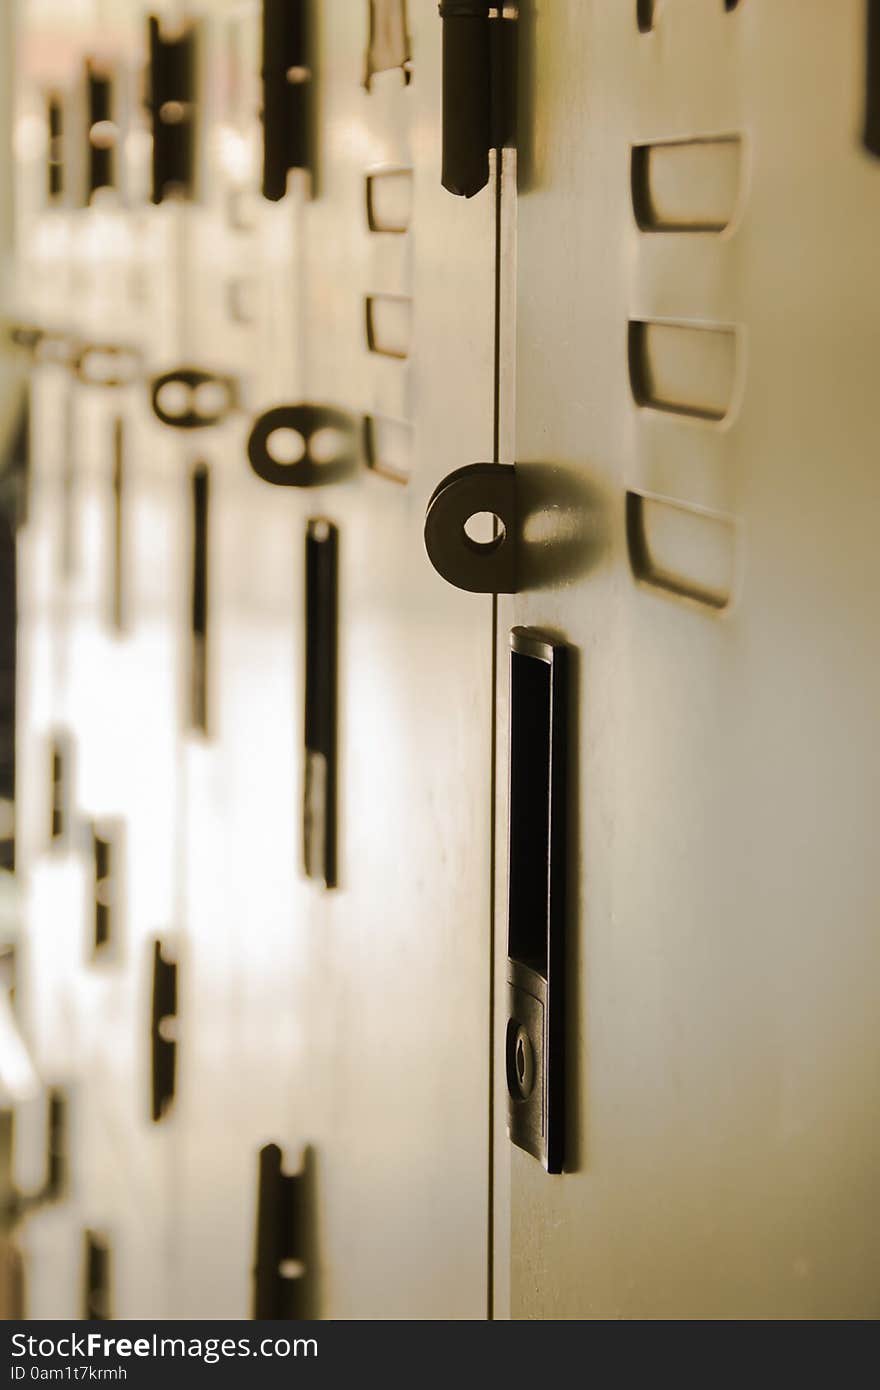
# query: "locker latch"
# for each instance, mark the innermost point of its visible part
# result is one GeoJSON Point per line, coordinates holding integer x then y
{"type": "Point", "coordinates": [282, 1282]}
{"type": "Point", "coordinates": [171, 104]}
{"type": "Point", "coordinates": [477, 566]}
{"type": "Point", "coordinates": [287, 93]}
{"type": "Point", "coordinates": [537, 871]}
{"type": "Point", "coordinates": [163, 1042]}
{"type": "Point", "coordinates": [479, 90]}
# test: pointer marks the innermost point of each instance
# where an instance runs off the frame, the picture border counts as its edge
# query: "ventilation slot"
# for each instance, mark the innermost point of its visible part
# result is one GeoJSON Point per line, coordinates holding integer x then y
{"type": "Point", "coordinates": [388, 446]}
{"type": "Point", "coordinates": [389, 320]}
{"type": "Point", "coordinates": [686, 185]}
{"type": "Point", "coordinates": [390, 200]}
{"type": "Point", "coordinates": [687, 369]}
{"type": "Point", "coordinates": [680, 550]}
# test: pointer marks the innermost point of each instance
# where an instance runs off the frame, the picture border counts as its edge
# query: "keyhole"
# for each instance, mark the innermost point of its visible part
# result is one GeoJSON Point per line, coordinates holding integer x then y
{"type": "Point", "coordinates": [520, 1061]}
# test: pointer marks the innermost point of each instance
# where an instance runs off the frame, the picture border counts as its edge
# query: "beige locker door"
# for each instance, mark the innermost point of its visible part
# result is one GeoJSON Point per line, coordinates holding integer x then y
{"type": "Point", "coordinates": [355, 1019]}
{"type": "Point", "coordinates": [708, 375]}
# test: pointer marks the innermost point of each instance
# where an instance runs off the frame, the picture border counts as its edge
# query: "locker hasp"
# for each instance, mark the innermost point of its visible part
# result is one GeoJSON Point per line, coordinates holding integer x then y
{"type": "Point", "coordinates": [286, 75]}
{"type": "Point", "coordinates": [305, 445]}
{"type": "Point", "coordinates": [537, 870]}
{"type": "Point", "coordinates": [479, 567]}
{"type": "Point", "coordinates": [190, 399]}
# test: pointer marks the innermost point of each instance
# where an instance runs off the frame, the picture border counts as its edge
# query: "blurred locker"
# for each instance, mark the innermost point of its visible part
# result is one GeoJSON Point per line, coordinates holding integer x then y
{"type": "Point", "coordinates": [100, 654]}
{"type": "Point", "coordinates": [337, 893]}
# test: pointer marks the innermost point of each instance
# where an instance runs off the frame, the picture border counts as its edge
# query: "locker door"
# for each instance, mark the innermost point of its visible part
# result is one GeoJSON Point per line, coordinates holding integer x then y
{"type": "Point", "coordinates": [696, 300]}
{"type": "Point", "coordinates": [398, 331]}
{"type": "Point", "coordinates": [353, 1015]}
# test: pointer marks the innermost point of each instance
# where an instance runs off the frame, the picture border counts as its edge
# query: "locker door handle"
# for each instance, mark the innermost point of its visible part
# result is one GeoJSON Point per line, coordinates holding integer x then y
{"type": "Point", "coordinates": [537, 870]}
{"type": "Point", "coordinates": [283, 1275]}
{"type": "Point", "coordinates": [478, 90]}
{"type": "Point", "coordinates": [319, 792]}
{"type": "Point", "coordinates": [163, 1048]}
{"type": "Point", "coordinates": [871, 134]}
{"type": "Point", "coordinates": [172, 109]}
{"type": "Point", "coordinates": [287, 93]}
{"type": "Point", "coordinates": [305, 445]}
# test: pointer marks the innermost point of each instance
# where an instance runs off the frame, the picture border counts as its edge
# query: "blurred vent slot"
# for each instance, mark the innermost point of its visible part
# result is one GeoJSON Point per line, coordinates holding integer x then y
{"type": "Point", "coordinates": [96, 1291]}
{"type": "Point", "coordinates": [687, 185]}
{"type": "Point", "coordinates": [390, 200]}
{"type": "Point", "coordinates": [680, 550]}
{"type": "Point", "coordinates": [872, 79]}
{"type": "Point", "coordinates": [389, 45]}
{"type": "Point", "coordinates": [689, 369]}
{"type": "Point", "coordinates": [389, 324]}
{"type": "Point", "coordinates": [388, 445]}
{"type": "Point", "coordinates": [199, 642]}
{"type": "Point", "coordinates": [645, 15]}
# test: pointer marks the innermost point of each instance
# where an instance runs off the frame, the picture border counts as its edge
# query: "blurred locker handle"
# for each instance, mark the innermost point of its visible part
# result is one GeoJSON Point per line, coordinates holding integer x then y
{"type": "Point", "coordinates": [478, 88]}
{"type": "Point", "coordinates": [282, 1263]}
{"type": "Point", "coordinates": [171, 103]}
{"type": "Point", "coordinates": [287, 93]}
{"type": "Point", "coordinates": [872, 78]}
{"type": "Point", "coordinates": [163, 1039]}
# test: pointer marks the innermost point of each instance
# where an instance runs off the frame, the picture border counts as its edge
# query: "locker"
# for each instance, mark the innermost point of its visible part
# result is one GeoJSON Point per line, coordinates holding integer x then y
{"type": "Point", "coordinates": [444, 761]}
{"type": "Point", "coordinates": [685, 392]}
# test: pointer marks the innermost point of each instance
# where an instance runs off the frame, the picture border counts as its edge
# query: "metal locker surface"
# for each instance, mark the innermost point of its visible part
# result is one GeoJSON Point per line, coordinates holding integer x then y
{"type": "Point", "coordinates": [692, 274]}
